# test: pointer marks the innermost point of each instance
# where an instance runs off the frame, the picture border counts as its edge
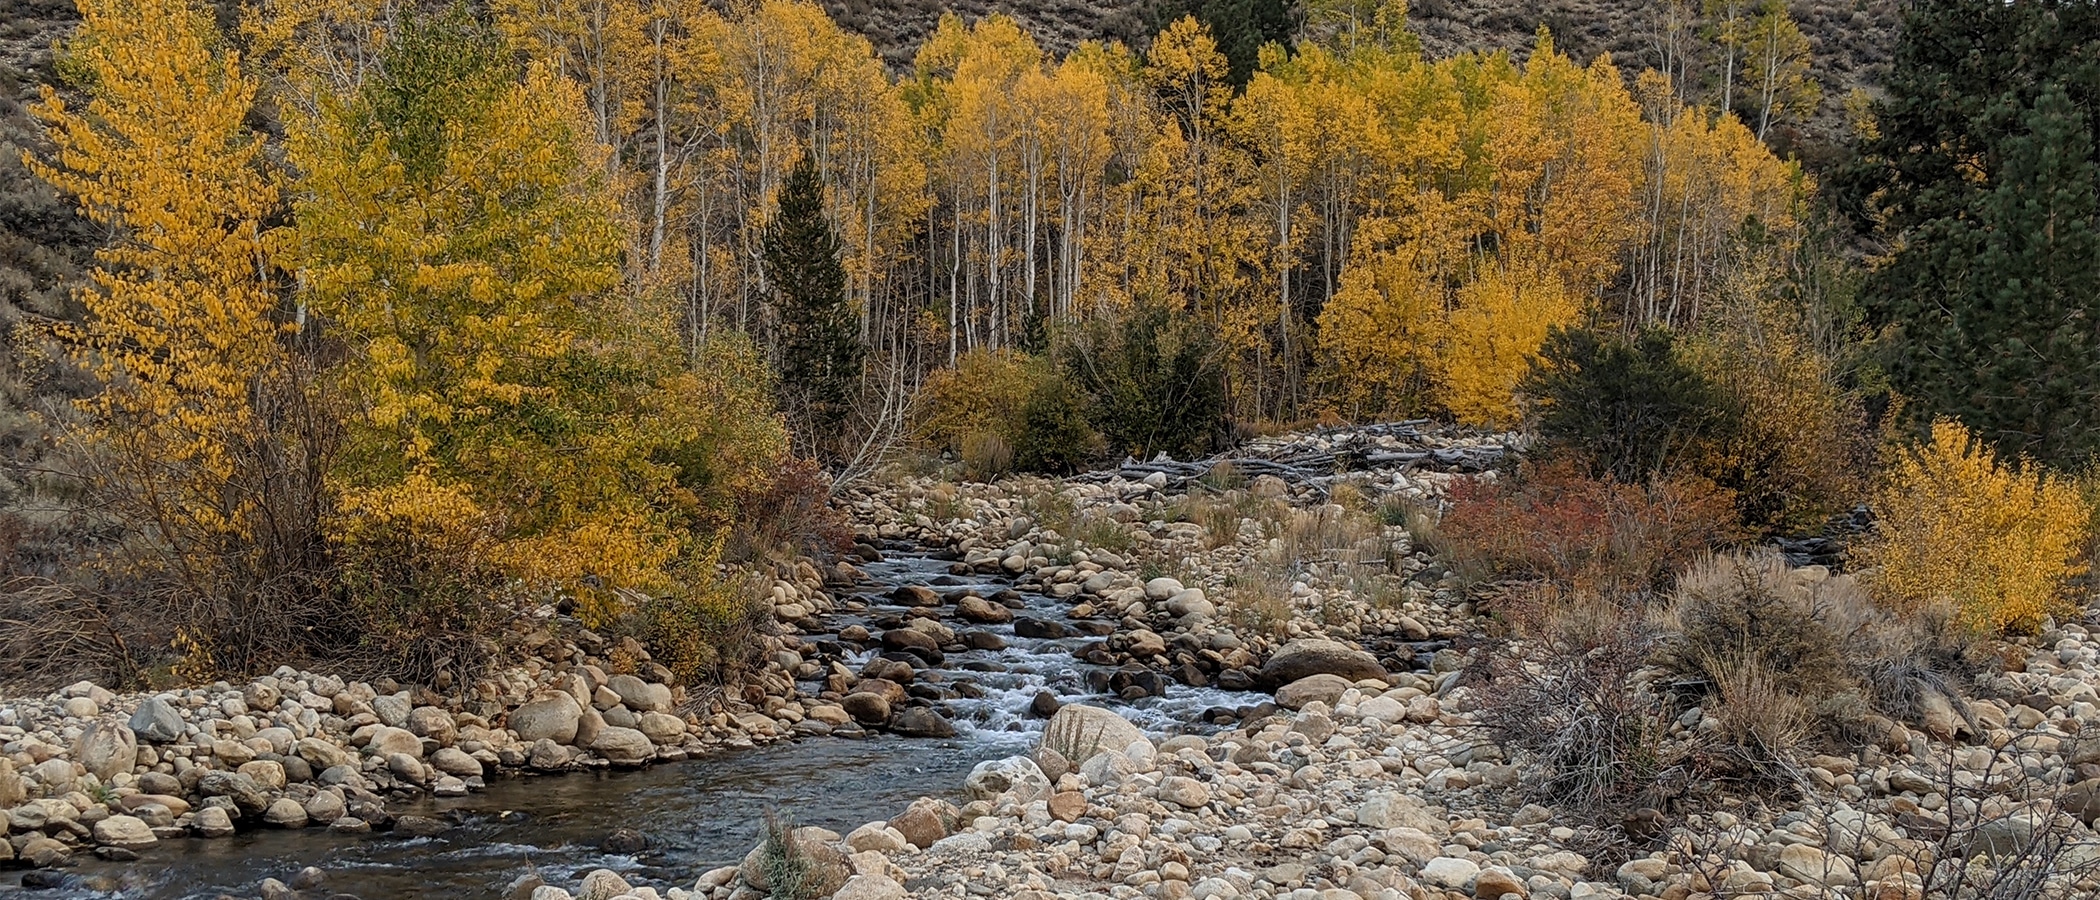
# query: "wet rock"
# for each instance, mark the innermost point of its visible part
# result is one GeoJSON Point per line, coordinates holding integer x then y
{"type": "Point", "coordinates": [454, 761]}
{"type": "Point", "coordinates": [547, 755]}
{"type": "Point", "coordinates": [625, 841]}
{"type": "Point", "coordinates": [309, 878]}
{"type": "Point", "coordinates": [420, 826]}
{"type": "Point", "coordinates": [867, 708]}
{"type": "Point", "coordinates": [915, 595]}
{"type": "Point", "coordinates": [918, 721]}
{"type": "Point", "coordinates": [43, 853]}
{"type": "Point", "coordinates": [982, 640]}
{"type": "Point", "coordinates": [1315, 656]}
{"type": "Point", "coordinates": [1028, 627]}
{"type": "Point", "coordinates": [1044, 705]}
{"type": "Point", "coordinates": [982, 611]}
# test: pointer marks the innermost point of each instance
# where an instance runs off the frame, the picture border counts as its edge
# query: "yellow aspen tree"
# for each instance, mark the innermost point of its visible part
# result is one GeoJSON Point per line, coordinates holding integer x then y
{"type": "Point", "coordinates": [180, 324]}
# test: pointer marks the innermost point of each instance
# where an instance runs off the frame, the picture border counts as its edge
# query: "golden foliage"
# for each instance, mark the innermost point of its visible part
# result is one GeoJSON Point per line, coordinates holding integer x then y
{"type": "Point", "coordinates": [1960, 528]}
{"type": "Point", "coordinates": [180, 327]}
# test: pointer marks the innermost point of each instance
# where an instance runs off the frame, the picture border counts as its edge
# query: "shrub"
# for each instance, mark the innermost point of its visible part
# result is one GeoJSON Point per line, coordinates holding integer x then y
{"type": "Point", "coordinates": [1589, 735]}
{"type": "Point", "coordinates": [1601, 535]}
{"type": "Point", "coordinates": [1795, 447]}
{"type": "Point", "coordinates": [790, 514]}
{"type": "Point", "coordinates": [1779, 656]}
{"type": "Point", "coordinates": [1155, 381]}
{"type": "Point", "coordinates": [1630, 408]}
{"type": "Point", "coordinates": [1958, 528]}
{"type": "Point", "coordinates": [1001, 410]}
{"type": "Point", "coordinates": [704, 631]}
{"type": "Point", "coordinates": [1055, 438]}
{"type": "Point", "coordinates": [980, 394]}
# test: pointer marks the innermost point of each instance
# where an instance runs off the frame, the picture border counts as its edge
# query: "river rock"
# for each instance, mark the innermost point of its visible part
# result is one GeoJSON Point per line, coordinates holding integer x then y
{"type": "Point", "coordinates": [1323, 688]}
{"type": "Point", "coordinates": [876, 836]}
{"type": "Point", "coordinates": [1027, 627]}
{"type": "Point", "coordinates": [982, 611]}
{"type": "Point", "coordinates": [915, 595]}
{"type": "Point", "coordinates": [1067, 806]}
{"type": "Point", "coordinates": [1188, 793]}
{"type": "Point", "coordinates": [267, 774]}
{"type": "Point", "coordinates": [918, 721]}
{"type": "Point", "coordinates": [387, 741]}
{"type": "Point", "coordinates": [925, 822]}
{"type": "Point", "coordinates": [602, 884]}
{"type": "Point", "coordinates": [867, 708]}
{"type": "Point", "coordinates": [870, 887]}
{"type": "Point", "coordinates": [212, 822]}
{"type": "Point", "coordinates": [106, 749]}
{"type": "Point", "coordinates": [43, 853]}
{"type": "Point", "coordinates": [1449, 872]}
{"type": "Point", "coordinates": [247, 796]}
{"type": "Point", "coordinates": [553, 719]}
{"type": "Point", "coordinates": [1317, 656]}
{"type": "Point", "coordinates": [454, 761]}
{"type": "Point", "coordinates": [392, 709]}
{"type": "Point", "coordinates": [321, 753]}
{"type": "Point", "coordinates": [1015, 775]}
{"type": "Point", "coordinates": [662, 728]}
{"type": "Point", "coordinates": [433, 723]}
{"type": "Point", "coordinates": [1162, 588]}
{"type": "Point", "coordinates": [125, 832]}
{"type": "Point", "coordinates": [1079, 733]}
{"type": "Point", "coordinates": [11, 789]}
{"type": "Point", "coordinates": [285, 813]}
{"type": "Point", "coordinates": [1492, 883]}
{"type": "Point", "coordinates": [623, 746]}
{"type": "Point", "coordinates": [547, 756]}
{"type": "Point", "coordinates": [639, 695]}
{"type": "Point", "coordinates": [824, 867]}
{"type": "Point", "coordinates": [325, 807]}
{"type": "Point", "coordinates": [157, 720]}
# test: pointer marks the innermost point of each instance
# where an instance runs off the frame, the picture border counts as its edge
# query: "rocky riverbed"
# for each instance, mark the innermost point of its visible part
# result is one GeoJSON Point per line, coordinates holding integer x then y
{"type": "Point", "coordinates": [1289, 720]}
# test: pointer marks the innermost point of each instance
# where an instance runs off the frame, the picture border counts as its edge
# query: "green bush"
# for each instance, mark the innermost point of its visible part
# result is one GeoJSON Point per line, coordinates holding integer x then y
{"type": "Point", "coordinates": [1632, 408]}
{"type": "Point", "coordinates": [1155, 380]}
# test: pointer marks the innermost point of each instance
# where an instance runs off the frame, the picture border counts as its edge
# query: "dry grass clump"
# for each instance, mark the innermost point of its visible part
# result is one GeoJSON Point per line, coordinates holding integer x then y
{"type": "Point", "coordinates": [1780, 657]}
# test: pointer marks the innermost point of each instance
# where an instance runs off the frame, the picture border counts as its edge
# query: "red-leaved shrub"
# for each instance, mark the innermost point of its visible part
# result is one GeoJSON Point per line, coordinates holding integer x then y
{"type": "Point", "coordinates": [1555, 523]}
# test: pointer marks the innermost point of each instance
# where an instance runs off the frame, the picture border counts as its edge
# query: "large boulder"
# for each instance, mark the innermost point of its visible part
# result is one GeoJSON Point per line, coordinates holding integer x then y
{"type": "Point", "coordinates": [157, 720]}
{"type": "Point", "coordinates": [1079, 733]}
{"type": "Point", "coordinates": [1015, 775]}
{"type": "Point", "coordinates": [639, 695]}
{"type": "Point", "coordinates": [106, 749]}
{"type": "Point", "coordinates": [552, 719]}
{"type": "Point", "coordinates": [808, 849]}
{"type": "Point", "coordinates": [623, 746]}
{"type": "Point", "coordinates": [1323, 688]}
{"type": "Point", "coordinates": [124, 832]}
{"type": "Point", "coordinates": [1315, 656]}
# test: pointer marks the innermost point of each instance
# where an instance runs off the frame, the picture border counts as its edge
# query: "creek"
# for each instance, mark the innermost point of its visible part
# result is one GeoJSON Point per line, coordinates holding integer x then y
{"type": "Point", "coordinates": [696, 814]}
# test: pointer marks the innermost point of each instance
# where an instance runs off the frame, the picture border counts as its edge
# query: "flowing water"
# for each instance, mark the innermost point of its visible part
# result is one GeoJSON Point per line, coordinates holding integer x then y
{"type": "Point", "coordinates": [696, 814]}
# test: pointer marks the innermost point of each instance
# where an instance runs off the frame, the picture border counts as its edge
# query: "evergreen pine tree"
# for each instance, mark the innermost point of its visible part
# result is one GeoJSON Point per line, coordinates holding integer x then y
{"type": "Point", "coordinates": [1982, 176]}
{"type": "Point", "coordinates": [819, 350]}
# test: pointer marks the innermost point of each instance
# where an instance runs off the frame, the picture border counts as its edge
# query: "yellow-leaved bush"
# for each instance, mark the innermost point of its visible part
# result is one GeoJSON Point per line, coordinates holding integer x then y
{"type": "Point", "coordinates": [1960, 530]}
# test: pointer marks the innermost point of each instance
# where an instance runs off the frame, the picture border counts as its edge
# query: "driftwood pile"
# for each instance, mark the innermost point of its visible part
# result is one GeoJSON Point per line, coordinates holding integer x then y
{"type": "Point", "coordinates": [1315, 459]}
